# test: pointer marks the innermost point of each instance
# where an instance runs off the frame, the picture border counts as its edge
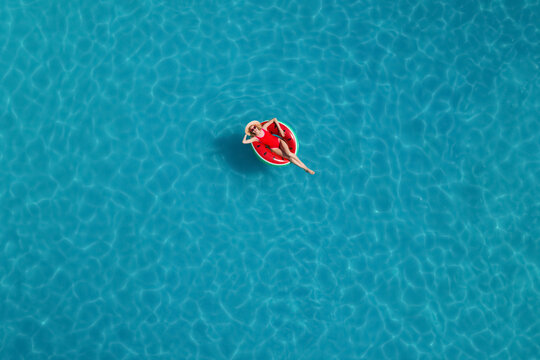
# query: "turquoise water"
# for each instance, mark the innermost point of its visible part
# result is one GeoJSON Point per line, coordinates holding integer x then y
{"type": "Point", "coordinates": [135, 225]}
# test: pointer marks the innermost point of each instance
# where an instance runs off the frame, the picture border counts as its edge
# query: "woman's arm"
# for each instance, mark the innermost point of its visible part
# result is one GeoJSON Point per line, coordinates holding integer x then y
{"type": "Point", "coordinates": [281, 132]}
{"type": "Point", "coordinates": [274, 121]}
{"type": "Point", "coordinates": [268, 123]}
{"type": "Point", "coordinates": [252, 140]}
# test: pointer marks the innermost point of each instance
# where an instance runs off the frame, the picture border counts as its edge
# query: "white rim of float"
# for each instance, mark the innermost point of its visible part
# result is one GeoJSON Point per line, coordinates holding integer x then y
{"type": "Point", "coordinates": [268, 162]}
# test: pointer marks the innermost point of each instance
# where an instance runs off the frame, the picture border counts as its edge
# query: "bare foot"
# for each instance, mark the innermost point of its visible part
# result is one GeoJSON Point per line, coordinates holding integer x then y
{"type": "Point", "coordinates": [310, 171]}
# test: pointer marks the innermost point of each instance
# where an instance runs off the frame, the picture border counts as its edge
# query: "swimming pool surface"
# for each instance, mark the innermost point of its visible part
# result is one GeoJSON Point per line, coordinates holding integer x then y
{"type": "Point", "coordinates": [136, 225]}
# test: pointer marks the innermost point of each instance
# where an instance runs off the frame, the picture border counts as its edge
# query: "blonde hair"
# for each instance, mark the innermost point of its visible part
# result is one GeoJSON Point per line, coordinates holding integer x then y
{"type": "Point", "coordinates": [258, 126]}
{"type": "Point", "coordinates": [252, 123]}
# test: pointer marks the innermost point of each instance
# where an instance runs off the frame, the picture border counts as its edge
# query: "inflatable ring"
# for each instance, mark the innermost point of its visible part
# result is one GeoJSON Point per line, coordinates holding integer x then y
{"type": "Point", "coordinates": [264, 153]}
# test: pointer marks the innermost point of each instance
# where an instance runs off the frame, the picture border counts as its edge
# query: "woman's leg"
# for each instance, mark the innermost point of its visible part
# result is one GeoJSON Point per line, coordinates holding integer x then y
{"type": "Point", "coordinates": [292, 157]}
{"type": "Point", "coordinates": [294, 161]}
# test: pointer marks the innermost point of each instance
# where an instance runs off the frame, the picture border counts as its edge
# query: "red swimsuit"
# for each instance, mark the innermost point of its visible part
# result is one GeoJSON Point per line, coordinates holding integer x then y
{"type": "Point", "coordinates": [269, 140]}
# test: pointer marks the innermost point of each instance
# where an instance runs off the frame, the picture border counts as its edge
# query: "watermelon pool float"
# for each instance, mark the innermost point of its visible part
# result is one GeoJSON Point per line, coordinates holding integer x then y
{"type": "Point", "coordinates": [268, 156]}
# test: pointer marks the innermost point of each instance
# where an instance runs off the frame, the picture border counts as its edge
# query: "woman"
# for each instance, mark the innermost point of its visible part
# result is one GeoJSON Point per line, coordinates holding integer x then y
{"type": "Point", "coordinates": [277, 145]}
